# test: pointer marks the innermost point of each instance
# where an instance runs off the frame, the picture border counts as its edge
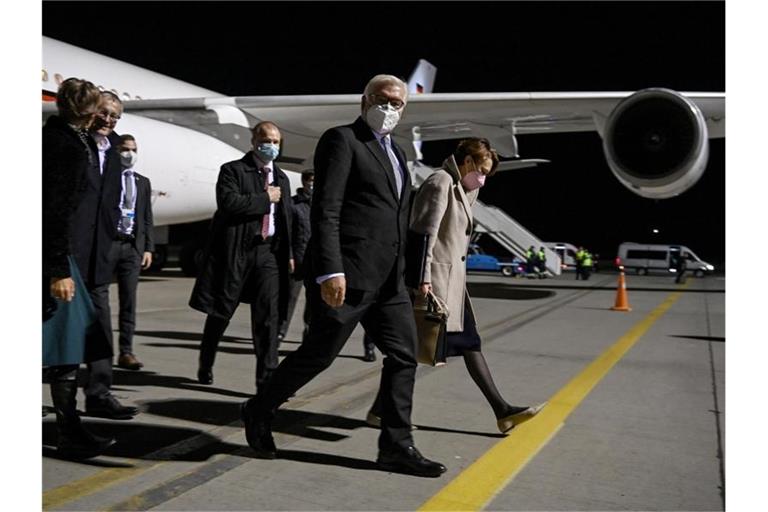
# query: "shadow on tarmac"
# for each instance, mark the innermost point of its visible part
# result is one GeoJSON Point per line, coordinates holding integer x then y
{"type": "Point", "coordinates": [718, 339]}
{"type": "Point", "coordinates": [505, 291]}
{"type": "Point", "coordinates": [145, 378]}
{"type": "Point", "coordinates": [327, 459]}
{"type": "Point", "coordinates": [140, 441]}
{"type": "Point", "coordinates": [186, 336]}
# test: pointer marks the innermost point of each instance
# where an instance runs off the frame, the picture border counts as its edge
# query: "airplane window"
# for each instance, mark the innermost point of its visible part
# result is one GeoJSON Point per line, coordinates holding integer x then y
{"type": "Point", "coordinates": [58, 78]}
{"type": "Point", "coordinates": [45, 76]}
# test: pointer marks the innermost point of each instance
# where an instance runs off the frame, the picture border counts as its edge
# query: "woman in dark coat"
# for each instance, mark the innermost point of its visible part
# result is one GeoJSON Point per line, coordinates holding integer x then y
{"type": "Point", "coordinates": [66, 157]}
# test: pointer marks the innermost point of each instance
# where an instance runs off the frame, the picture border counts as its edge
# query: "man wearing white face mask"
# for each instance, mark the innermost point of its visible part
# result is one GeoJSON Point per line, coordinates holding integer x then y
{"type": "Point", "coordinates": [248, 257]}
{"type": "Point", "coordinates": [354, 274]}
{"type": "Point", "coordinates": [132, 247]}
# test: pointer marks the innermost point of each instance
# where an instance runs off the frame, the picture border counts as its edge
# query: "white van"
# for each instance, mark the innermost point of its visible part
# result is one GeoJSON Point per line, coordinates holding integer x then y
{"type": "Point", "coordinates": [644, 258]}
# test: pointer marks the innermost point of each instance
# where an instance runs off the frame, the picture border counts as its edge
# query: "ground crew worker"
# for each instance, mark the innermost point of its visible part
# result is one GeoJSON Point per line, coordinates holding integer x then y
{"type": "Point", "coordinates": [542, 263]}
{"type": "Point", "coordinates": [530, 261]}
{"type": "Point", "coordinates": [579, 262]}
{"type": "Point", "coordinates": [586, 265]}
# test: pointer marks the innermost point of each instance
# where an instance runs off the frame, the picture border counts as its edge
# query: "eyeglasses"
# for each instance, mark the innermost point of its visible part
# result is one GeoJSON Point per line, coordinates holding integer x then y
{"type": "Point", "coordinates": [108, 115]}
{"type": "Point", "coordinates": [377, 99]}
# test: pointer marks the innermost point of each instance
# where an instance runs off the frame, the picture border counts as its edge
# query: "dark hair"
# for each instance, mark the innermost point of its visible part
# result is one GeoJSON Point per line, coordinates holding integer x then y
{"type": "Point", "coordinates": [77, 98]}
{"type": "Point", "coordinates": [478, 149]}
{"type": "Point", "coordinates": [307, 174]}
{"type": "Point", "coordinates": [127, 136]}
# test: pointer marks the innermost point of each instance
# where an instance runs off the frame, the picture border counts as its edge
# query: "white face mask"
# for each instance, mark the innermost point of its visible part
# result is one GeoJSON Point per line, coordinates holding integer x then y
{"type": "Point", "coordinates": [128, 158]}
{"type": "Point", "coordinates": [382, 118]}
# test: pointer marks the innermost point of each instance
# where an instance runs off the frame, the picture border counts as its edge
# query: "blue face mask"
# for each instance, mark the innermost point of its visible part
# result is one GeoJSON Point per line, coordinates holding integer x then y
{"type": "Point", "coordinates": [267, 151]}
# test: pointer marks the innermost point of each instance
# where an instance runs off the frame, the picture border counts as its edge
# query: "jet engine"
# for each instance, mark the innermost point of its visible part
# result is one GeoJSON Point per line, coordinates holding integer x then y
{"type": "Point", "coordinates": [656, 143]}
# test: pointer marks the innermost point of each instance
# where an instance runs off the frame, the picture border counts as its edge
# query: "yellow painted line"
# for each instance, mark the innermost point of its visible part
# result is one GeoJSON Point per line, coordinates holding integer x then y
{"type": "Point", "coordinates": [89, 485]}
{"type": "Point", "coordinates": [476, 486]}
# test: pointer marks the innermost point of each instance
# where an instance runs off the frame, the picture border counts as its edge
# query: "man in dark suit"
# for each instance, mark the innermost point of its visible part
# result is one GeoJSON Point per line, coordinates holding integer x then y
{"type": "Point", "coordinates": [359, 220]}
{"type": "Point", "coordinates": [131, 248]}
{"type": "Point", "coordinates": [93, 228]}
{"type": "Point", "coordinates": [248, 256]}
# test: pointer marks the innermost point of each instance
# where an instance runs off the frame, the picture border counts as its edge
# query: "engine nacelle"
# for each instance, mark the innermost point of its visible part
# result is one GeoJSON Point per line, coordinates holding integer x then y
{"type": "Point", "coordinates": [656, 143]}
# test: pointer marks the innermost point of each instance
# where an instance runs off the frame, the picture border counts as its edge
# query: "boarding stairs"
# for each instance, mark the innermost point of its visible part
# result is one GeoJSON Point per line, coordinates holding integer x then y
{"type": "Point", "coordinates": [498, 225]}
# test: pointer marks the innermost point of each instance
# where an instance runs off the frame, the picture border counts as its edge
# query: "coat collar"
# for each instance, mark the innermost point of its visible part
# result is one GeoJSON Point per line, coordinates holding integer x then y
{"type": "Point", "coordinates": [467, 198]}
{"type": "Point", "coordinates": [249, 161]}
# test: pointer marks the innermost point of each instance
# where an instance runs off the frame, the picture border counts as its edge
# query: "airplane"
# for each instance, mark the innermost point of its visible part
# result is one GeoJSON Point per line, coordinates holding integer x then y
{"type": "Point", "coordinates": [655, 140]}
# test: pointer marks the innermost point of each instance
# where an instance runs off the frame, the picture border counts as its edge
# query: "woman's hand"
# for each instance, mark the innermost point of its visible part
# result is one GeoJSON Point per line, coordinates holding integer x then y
{"type": "Point", "coordinates": [425, 288]}
{"type": "Point", "coordinates": [63, 288]}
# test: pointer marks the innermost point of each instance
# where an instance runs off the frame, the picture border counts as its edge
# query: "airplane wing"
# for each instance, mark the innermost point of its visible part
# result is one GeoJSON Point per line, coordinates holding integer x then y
{"type": "Point", "coordinates": [437, 116]}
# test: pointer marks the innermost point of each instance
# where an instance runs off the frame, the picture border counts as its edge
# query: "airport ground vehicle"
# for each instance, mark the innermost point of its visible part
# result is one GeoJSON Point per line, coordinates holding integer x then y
{"type": "Point", "coordinates": [567, 253]}
{"type": "Point", "coordinates": [478, 260]}
{"type": "Point", "coordinates": [645, 258]}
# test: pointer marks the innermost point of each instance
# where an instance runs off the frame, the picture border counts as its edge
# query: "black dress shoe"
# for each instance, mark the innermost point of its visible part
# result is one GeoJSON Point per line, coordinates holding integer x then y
{"type": "Point", "coordinates": [408, 460]}
{"type": "Point", "coordinates": [258, 433]}
{"type": "Point", "coordinates": [110, 408]}
{"type": "Point", "coordinates": [370, 355]}
{"type": "Point", "coordinates": [205, 376]}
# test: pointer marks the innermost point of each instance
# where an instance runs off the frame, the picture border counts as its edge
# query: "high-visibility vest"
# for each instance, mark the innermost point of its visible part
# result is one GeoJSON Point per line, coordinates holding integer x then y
{"type": "Point", "coordinates": [580, 255]}
{"type": "Point", "coordinates": [542, 256]}
{"type": "Point", "coordinates": [587, 261]}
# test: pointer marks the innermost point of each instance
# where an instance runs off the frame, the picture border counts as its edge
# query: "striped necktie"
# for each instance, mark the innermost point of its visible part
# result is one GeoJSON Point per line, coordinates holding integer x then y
{"type": "Point", "coordinates": [387, 144]}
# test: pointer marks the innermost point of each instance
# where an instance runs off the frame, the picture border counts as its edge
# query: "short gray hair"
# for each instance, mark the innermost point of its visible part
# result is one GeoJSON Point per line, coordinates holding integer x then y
{"type": "Point", "coordinates": [378, 80]}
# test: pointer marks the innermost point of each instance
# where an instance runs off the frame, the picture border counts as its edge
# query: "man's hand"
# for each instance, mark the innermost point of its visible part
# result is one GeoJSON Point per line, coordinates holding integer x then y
{"type": "Point", "coordinates": [146, 260]}
{"type": "Point", "coordinates": [274, 194]}
{"type": "Point", "coordinates": [333, 291]}
{"type": "Point", "coordinates": [291, 266]}
{"type": "Point", "coordinates": [63, 288]}
{"type": "Point", "coordinates": [424, 289]}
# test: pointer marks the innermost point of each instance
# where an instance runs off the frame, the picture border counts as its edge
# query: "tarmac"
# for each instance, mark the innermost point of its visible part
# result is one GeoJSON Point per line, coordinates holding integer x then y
{"type": "Point", "coordinates": [635, 417]}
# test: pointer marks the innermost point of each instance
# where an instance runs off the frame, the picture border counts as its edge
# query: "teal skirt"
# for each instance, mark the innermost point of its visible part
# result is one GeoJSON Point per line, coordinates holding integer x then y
{"type": "Point", "coordinates": [65, 323]}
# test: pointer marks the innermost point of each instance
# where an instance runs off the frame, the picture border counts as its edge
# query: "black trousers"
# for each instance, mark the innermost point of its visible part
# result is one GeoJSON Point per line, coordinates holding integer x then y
{"type": "Point", "coordinates": [264, 283]}
{"type": "Point", "coordinates": [388, 317]}
{"type": "Point", "coordinates": [296, 286]}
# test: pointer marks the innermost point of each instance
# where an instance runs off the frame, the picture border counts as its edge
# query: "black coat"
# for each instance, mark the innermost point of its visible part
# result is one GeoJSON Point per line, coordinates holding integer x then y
{"type": "Point", "coordinates": [241, 204]}
{"type": "Point", "coordinates": [301, 229]}
{"type": "Point", "coordinates": [94, 223]}
{"type": "Point", "coordinates": [65, 160]}
{"type": "Point", "coordinates": [358, 222]}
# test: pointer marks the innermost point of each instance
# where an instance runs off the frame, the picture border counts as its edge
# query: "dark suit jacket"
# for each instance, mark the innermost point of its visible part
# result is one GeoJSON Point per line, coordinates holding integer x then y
{"type": "Point", "coordinates": [143, 223]}
{"type": "Point", "coordinates": [94, 223]}
{"type": "Point", "coordinates": [242, 202]}
{"type": "Point", "coordinates": [358, 222]}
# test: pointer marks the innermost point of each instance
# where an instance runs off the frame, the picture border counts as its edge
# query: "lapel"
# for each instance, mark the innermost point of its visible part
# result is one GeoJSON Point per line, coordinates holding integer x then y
{"type": "Point", "coordinates": [366, 136]}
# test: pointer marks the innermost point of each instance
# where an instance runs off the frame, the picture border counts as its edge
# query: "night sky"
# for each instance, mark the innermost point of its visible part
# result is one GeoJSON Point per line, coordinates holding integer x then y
{"type": "Point", "coordinates": [260, 48]}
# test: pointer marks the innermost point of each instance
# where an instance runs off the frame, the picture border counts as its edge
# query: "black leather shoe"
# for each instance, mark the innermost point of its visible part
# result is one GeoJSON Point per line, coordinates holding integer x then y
{"type": "Point", "coordinates": [110, 408]}
{"type": "Point", "coordinates": [408, 460]}
{"type": "Point", "coordinates": [370, 355]}
{"type": "Point", "coordinates": [258, 433]}
{"type": "Point", "coordinates": [205, 376]}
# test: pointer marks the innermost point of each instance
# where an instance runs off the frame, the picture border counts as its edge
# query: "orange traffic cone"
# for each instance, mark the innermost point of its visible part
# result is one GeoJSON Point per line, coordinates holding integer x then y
{"type": "Point", "coordinates": [622, 304]}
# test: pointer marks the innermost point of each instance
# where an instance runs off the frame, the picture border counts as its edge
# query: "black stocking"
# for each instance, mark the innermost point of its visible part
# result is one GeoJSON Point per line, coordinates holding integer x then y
{"type": "Point", "coordinates": [481, 374]}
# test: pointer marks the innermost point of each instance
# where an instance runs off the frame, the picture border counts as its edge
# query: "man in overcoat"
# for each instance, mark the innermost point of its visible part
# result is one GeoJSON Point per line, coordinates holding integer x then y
{"type": "Point", "coordinates": [248, 255]}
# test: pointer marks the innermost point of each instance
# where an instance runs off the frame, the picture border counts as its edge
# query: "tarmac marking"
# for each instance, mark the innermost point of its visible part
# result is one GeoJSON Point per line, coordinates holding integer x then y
{"type": "Point", "coordinates": [89, 485]}
{"type": "Point", "coordinates": [477, 485]}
